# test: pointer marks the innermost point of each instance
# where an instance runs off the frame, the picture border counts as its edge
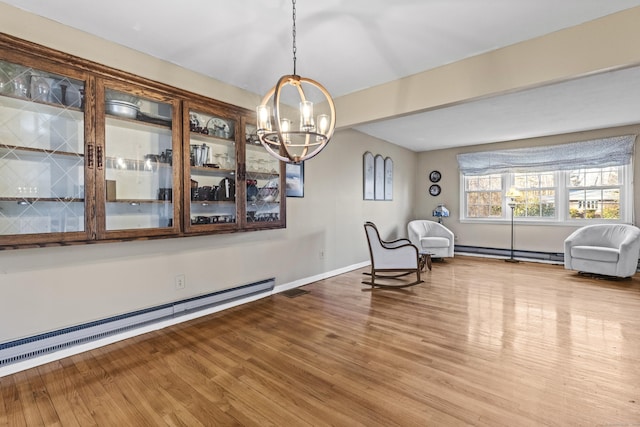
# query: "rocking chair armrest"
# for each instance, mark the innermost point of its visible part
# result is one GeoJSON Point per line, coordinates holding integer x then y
{"type": "Point", "coordinates": [395, 243]}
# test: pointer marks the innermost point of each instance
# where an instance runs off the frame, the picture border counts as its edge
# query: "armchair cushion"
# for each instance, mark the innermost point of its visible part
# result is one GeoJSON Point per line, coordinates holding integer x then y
{"type": "Point", "coordinates": [596, 253]}
{"type": "Point", "coordinates": [434, 242]}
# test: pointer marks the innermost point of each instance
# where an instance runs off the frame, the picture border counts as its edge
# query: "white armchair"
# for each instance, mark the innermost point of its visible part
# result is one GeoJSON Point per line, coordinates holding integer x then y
{"type": "Point", "coordinates": [432, 237]}
{"type": "Point", "coordinates": [606, 249]}
{"type": "Point", "coordinates": [398, 257]}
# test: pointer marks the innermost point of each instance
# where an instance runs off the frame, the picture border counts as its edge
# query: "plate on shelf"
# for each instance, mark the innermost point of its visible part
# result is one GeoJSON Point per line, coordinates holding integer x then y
{"type": "Point", "coordinates": [219, 127]}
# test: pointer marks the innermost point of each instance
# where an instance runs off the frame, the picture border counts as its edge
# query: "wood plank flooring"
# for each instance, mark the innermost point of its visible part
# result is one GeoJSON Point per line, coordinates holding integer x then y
{"type": "Point", "coordinates": [482, 342]}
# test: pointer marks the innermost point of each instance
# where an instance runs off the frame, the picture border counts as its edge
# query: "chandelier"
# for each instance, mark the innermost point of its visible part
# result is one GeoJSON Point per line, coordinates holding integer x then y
{"type": "Point", "coordinates": [287, 139]}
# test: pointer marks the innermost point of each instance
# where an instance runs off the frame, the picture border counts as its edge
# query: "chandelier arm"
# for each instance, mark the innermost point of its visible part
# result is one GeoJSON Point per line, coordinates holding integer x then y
{"type": "Point", "coordinates": [332, 107]}
{"type": "Point", "coordinates": [276, 110]}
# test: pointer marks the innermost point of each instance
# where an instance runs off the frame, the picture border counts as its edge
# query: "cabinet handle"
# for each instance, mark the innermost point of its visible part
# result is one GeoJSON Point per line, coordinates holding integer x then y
{"type": "Point", "coordinates": [90, 156]}
{"type": "Point", "coordinates": [99, 156]}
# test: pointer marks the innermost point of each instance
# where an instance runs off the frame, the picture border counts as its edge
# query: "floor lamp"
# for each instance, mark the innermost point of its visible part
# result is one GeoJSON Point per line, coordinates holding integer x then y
{"type": "Point", "coordinates": [512, 195]}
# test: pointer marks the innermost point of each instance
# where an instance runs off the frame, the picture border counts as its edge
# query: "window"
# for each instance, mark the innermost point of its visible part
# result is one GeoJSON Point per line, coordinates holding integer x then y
{"type": "Point", "coordinates": [594, 193]}
{"type": "Point", "coordinates": [586, 181]}
{"type": "Point", "coordinates": [538, 198]}
{"type": "Point", "coordinates": [484, 196]}
{"type": "Point", "coordinates": [559, 196]}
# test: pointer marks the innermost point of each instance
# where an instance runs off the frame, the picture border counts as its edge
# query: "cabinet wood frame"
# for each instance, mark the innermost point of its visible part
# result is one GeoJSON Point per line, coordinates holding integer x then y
{"type": "Point", "coordinates": [97, 77]}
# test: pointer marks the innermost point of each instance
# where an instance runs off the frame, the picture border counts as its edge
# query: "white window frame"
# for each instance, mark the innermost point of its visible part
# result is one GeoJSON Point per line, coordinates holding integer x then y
{"type": "Point", "coordinates": [561, 202]}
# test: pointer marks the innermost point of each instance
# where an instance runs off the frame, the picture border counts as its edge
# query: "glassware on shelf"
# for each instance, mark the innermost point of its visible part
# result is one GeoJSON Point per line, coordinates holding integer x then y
{"type": "Point", "coordinates": [225, 164]}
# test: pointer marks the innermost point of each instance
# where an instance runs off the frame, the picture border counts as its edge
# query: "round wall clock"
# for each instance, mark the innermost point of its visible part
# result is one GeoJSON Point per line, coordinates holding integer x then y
{"type": "Point", "coordinates": [435, 176]}
{"type": "Point", "coordinates": [434, 190]}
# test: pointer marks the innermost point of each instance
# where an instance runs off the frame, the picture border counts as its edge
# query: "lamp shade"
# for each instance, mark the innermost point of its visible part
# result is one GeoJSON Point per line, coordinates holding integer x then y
{"type": "Point", "coordinates": [513, 193]}
{"type": "Point", "coordinates": [441, 211]}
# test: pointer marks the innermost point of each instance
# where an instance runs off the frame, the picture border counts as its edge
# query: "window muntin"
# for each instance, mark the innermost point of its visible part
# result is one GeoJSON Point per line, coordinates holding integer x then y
{"type": "Point", "coordinates": [587, 195]}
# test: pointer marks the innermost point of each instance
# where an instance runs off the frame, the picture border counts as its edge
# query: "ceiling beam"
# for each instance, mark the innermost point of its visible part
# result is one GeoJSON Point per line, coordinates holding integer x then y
{"type": "Point", "coordinates": [607, 43]}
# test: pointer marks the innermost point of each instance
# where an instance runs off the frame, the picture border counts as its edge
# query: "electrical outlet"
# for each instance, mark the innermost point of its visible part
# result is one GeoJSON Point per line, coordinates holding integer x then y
{"type": "Point", "coordinates": [321, 254]}
{"type": "Point", "coordinates": [181, 282]}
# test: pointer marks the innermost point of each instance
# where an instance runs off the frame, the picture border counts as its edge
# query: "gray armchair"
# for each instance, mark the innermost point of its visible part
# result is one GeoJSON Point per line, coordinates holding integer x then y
{"type": "Point", "coordinates": [606, 249]}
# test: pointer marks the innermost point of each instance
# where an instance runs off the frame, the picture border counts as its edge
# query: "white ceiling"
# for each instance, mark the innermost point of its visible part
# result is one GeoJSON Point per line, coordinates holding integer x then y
{"type": "Point", "coordinates": [349, 45]}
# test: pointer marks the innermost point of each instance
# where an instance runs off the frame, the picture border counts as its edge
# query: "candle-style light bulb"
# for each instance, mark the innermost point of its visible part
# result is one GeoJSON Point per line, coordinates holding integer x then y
{"type": "Point", "coordinates": [285, 127]}
{"type": "Point", "coordinates": [264, 119]}
{"type": "Point", "coordinates": [306, 116]}
{"type": "Point", "coordinates": [323, 124]}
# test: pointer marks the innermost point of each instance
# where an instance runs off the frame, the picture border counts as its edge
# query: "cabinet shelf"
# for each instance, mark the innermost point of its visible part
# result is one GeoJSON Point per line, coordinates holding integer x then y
{"type": "Point", "coordinates": [5, 148]}
{"type": "Point", "coordinates": [36, 105]}
{"type": "Point", "coordinates": [201, 137]}
{"type": "Point", "coordinates": [132, 164]}
{"type": "Point", "coordinates": [144, 119]}
{"type": "Point", "coordinates": [200, 170]}
{"type": "Point", "coordinates": [139, 201]}
{"type": "Point", "coordinates": [32, 200]}
{"type": "Point", "coordinates": [213, 202]}
{"type": "Point", "coordinates": [262, 175]}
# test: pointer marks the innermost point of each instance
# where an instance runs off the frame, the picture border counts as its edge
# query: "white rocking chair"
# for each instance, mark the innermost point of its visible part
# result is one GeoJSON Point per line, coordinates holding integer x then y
{"type": "Point", "coordinates": [397, 256]}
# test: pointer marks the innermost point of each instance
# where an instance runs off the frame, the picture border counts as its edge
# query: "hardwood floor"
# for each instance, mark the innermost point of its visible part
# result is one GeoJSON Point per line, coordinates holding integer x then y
{"type": "Point", "coordinates": [481, 342]}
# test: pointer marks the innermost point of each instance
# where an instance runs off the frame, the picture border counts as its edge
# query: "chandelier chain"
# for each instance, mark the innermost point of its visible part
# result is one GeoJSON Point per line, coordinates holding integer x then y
{"type": "Point", "coordinates": [295, 49]}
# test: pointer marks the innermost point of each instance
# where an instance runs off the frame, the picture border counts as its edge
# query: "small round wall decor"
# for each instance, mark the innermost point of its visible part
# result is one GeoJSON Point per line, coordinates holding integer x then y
{"type": "Point", "coordinates": [435, 190]}
{"type": "Point", "coordinates": [435, 176]}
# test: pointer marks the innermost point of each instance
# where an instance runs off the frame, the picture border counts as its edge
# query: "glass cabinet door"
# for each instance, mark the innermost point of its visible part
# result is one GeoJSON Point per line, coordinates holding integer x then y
{"type": "Point", "coordinates": [264, 190]}
{"type": "Point", "coordinates": [42, 156]}
{"type": "Point", "coordinates": [210, 164]}
{"type": "Point", "coordinates": [137, 186]}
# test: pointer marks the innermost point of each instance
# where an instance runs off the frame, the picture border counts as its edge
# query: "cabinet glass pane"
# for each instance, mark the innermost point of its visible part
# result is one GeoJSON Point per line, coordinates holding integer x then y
{"type": "Point", "coordinates": [212, 153]}
{"type": "Point", "coordinates": [41, 152]}
{"type": "Point", "coordinates": [138, 162]}
{"type": "Point", "coordinates": [263, 179]}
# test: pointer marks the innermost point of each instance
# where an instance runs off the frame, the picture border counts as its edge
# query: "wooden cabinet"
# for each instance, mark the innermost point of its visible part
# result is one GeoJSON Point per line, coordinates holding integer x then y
{"type": "Point", "coordinates": [42, 155]}
{"type": "Point", "coordinates": [88, 153]}
{"type": "Point", "coordinates": [211, 161]}
{"type": "Point", "coordinates": [264, 183]}
{"type": "Point", "coordinates": [138, 184]}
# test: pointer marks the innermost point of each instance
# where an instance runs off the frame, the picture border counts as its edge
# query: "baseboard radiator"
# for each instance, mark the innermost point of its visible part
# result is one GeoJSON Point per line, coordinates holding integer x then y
{"type": "Point", "coordinates": [27, 348]}
{"type": "Point", "coordinates": [552, 257]}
